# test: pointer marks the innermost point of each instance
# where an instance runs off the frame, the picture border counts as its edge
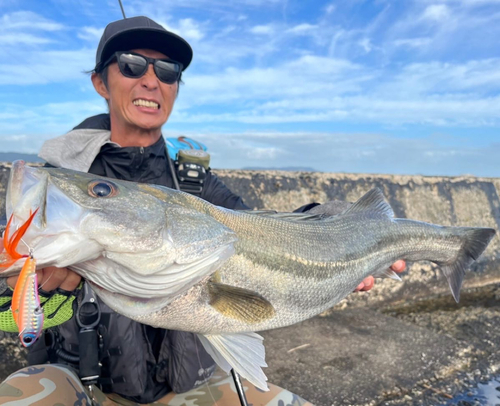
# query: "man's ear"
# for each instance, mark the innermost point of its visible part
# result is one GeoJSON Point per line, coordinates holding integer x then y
{"type": "Point", "coordinates": [99, 85]}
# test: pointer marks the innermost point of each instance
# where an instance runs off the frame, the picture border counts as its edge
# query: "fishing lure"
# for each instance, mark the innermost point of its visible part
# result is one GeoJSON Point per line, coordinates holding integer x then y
{"type": "Point", "coordinates": [30, 313]}
{"type": "Point", "coordinates": [26, 309]}
{"type": "Point", "coordinates": [27, 271]}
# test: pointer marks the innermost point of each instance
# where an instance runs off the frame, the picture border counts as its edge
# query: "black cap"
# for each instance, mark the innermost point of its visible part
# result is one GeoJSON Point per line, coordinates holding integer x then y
{"type": "Point", "coordinates": [141, 32]}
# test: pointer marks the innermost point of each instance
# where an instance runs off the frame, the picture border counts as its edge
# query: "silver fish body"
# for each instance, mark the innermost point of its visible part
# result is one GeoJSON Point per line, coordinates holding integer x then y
{"type": "Point", "coordinates": [303, 267]}
{"type": "Point", "coordinates": [171, 260]}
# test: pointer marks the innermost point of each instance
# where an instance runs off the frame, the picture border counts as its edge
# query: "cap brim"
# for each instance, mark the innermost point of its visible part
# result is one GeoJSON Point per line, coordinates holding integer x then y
{"type": "Point", "coordinates": [165, 42]}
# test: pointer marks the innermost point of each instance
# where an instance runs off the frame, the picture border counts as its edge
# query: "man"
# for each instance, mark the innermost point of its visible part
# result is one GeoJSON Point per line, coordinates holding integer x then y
{"type": "Point", "coordinates": [138, 70]}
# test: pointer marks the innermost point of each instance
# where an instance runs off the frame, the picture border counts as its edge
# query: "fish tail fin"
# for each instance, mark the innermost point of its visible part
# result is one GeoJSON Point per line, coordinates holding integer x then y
{"type": "Point", "coordinates": [475, 241]}
{"type": "Point", "coordinates": [243, 352]}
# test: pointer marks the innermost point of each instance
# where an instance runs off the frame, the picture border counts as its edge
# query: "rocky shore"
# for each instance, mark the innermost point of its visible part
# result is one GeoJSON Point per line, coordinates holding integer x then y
{"type": "Point", "coordinates": [401, 343]}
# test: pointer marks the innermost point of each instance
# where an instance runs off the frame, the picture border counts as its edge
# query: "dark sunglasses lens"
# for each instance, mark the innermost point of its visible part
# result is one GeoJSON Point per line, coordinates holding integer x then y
{"type": "Point", "coordinates": [131, 65]}
{"type": "Point", "coordinates": [167, 71]}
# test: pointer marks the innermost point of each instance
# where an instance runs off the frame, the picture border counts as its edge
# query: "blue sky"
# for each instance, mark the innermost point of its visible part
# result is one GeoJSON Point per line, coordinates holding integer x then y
{"type": "Point", "coordinates": [380, 86]}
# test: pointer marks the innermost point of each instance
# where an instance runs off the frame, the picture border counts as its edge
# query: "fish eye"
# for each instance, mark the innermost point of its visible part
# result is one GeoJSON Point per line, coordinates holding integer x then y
{"type": "Point", "coordinates": [102, 188]}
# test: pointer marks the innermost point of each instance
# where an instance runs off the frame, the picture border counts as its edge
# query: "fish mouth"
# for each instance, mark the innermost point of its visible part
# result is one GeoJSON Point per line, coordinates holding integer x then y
{"type": "Point", "coordinates": [30, 191]}
{"type": "Point", "coordinates": [25, 203]}
{"type": "Point", "coordinates": [26, 193]}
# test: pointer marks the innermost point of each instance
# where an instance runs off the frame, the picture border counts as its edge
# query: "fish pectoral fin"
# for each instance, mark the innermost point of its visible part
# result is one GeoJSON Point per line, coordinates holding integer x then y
{"type": "Point", "coordinates": [372, 201]}
{"type": "Point", "coordinates": [238, 303]}
{"type": "Point", "coordinates": [387, 273]}
{"type": "Point", "coordinates": [243, 352]}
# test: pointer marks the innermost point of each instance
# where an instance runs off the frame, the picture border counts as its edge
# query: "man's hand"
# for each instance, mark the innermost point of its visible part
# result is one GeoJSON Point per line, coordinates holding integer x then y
{"type": "Point", "coordinates": [51, 278]}
{"type": "Point", "coordinates": [367, 284]}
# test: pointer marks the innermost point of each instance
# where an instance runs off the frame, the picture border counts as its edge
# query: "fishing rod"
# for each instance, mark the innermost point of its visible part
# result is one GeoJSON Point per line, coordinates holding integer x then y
{"type": "Point", "coordinates": [121, 6]}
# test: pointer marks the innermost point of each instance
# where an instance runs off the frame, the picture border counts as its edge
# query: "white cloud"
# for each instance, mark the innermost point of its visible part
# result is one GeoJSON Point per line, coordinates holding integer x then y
{"type": "Point", "coordinates": [478, 76]}
{"type": "Point", "coordinates": [210, 4]}
{"type": "Point", "coordinates": [302, 29]}
{"type": "Point", "coordinates": [456, 26]}
{"type": "Point", "coordinates": [318, 89]}
{"type": "Point", "coordinates": [469, 3]}
{"type": "Point", "coordinates": [436, 12]}
{"type": "Point", "coordinates": [190, 29]}
{"type": "Point", "coordinates": [25, 39]}
{"type": "Point", "coordinates": [90, 33]}
{"type": "Point", "coordinates": [307, 76]}
{"type": "Point", "coordinates": [413, 42]}
{"type": "Point", "coordinates": [330, 8]}
{"type": "Point", "coordinates": [13, 138]}
{"type": "Point", "coordinates": [39, 67]}
{"type": "Point", "coordinates": [31, 126]}
{"type": "Point", "coordinates": [267, 153]}
{"type": "Point", "coordinates": [262, 29]}
{"type": "Point", "coordinates": [366, 44]}
{"type": "Point", "coordinates": [27, 20]}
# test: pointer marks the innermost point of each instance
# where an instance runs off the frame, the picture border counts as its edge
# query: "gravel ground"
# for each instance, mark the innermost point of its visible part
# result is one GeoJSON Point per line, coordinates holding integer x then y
{"type": "Point", "coordinates": [475, 324]}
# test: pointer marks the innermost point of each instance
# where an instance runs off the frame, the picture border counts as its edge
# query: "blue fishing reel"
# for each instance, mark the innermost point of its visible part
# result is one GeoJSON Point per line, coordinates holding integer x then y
{"type": "Point", "coordinates": [192, 161]}
{"type": "Point", "coordinates": [175, 145]}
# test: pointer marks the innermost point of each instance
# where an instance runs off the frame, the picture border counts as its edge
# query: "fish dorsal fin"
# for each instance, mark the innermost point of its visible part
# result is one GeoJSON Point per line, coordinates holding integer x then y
{"type": "Point", "coordinates": [286, 215]}
{"type": "Point", "coordinates": [373, 201]}
{"type": "Point", "coordinates": [238, 303]}
{"type": "Point", "coordinates": [244, 352]}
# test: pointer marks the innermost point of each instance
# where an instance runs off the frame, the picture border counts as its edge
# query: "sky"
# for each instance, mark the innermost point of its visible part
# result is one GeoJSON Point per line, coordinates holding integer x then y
{"type": "Point", "coordinates": [363, 86]}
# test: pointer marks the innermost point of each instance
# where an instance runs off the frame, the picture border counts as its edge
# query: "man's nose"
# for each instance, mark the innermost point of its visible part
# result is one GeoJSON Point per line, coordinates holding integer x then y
{"type": "Point", "coordinates": [149, 79]}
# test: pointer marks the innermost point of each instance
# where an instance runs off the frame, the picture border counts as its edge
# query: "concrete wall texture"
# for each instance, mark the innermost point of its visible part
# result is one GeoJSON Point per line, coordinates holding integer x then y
{"type": "Point", "coordinates": [456, 201]}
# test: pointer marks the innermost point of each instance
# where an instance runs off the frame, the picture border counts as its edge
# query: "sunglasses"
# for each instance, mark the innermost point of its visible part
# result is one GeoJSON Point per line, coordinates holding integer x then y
{"type": "Point", "coordinates": [134, 66]}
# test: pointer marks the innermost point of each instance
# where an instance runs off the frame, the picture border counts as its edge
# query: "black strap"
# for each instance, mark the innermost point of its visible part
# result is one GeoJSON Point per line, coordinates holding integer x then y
{"type": "Point", "coordinates": [88, 316]}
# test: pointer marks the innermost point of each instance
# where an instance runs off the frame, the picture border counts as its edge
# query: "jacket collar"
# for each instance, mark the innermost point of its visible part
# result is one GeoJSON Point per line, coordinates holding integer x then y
{"type": "Point", "coordinates": [75, 150]}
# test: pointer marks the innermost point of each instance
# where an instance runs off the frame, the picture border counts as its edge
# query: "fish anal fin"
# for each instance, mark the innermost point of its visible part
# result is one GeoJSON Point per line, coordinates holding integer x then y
{"type": "Point", "coordinates": [243, 352]}
{"type": "Point", "coordinates": [372, 201]}
{"type": "Point", "coordinates": [240, 304]}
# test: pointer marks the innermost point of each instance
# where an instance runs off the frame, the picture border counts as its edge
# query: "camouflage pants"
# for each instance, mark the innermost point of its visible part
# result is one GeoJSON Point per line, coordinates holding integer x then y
{"type": "Point", "coordinates": [58, 385]}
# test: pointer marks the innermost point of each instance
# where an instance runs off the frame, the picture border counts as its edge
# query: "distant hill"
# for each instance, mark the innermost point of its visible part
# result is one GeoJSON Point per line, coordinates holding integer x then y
{"type": "Point", "coordinates": [284, 168]}
{"type": "Point", "coordinates": [14, 156]}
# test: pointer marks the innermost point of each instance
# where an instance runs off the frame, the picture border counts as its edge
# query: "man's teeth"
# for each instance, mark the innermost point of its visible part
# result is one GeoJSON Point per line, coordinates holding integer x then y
{"type": "Point", "coordinates": [146, 103]}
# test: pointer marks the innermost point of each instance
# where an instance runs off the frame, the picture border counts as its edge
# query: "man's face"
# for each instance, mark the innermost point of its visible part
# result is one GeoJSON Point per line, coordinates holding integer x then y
{"type": "Point", "coordinates": [144, 103]}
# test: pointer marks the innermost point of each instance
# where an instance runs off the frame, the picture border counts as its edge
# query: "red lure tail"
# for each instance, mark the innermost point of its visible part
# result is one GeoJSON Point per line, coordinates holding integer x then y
{"type": "Point", "coordinates": [10, 244]}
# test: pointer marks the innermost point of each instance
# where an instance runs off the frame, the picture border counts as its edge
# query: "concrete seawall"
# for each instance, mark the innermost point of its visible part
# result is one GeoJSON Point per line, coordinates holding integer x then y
{"type": "Point", "coordinates": [455, 201]}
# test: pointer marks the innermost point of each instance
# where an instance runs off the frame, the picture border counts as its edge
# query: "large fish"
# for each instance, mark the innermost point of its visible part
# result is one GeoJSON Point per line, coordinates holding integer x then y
{"type": "Point", "coordinates": [171, 260]}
